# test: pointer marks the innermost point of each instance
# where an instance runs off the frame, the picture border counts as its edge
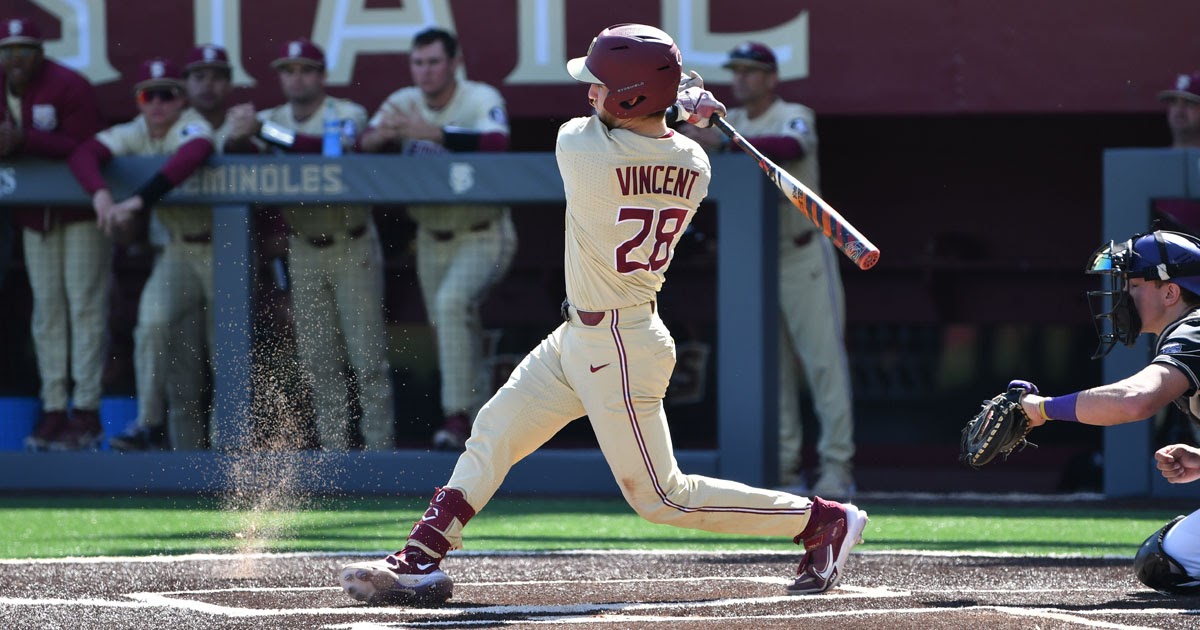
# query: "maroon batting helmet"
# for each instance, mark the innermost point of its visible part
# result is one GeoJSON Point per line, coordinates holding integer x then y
{"type": "Point", "coordinates": [640, 65]}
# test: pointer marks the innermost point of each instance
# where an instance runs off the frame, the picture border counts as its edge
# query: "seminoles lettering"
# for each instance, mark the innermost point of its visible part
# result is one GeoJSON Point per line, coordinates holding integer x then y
{"type": "Point", "coordinates": [658, 179]}
{"type": "Point", "coordinates": [267, 179]}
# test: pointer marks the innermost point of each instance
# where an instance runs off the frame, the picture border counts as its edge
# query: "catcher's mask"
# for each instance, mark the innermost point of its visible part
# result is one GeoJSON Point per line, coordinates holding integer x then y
{"type": "Point", "coordinates": [1159, 255]}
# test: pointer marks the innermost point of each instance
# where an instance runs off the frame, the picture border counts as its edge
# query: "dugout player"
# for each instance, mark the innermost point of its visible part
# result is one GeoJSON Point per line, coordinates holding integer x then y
{"type": "Point", "coordinates": [812, 314]}
{"type": "Point", "coordinates": [49, 110]}
{"type": "Point", "coordinates": [1153, 283]}
{"type": "Point", "coordinates": [462, 250]}
{"type": "Point", "coordinates": [207, 85]}
{"type": "Point", "coordinates": [180, 285]}
{"type": "Point", "coordinates": [336, 262]}
{"type": "Point", "coordinates": [612, 358]}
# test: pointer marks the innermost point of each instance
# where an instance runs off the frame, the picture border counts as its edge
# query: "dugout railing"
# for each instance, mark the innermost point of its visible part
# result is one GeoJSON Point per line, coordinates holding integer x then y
{"type": "Point", "coordinates": [746, 329]}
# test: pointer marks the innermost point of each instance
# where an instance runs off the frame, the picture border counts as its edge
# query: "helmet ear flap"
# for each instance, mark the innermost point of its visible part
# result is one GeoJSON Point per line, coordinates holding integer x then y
{"type": "Point", "coordinates": [1158, 570]}
{"type": "Point", "coordinates": [639, 65]}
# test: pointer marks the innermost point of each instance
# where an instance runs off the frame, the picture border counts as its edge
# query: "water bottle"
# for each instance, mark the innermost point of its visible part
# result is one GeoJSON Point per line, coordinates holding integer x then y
{"type": "Point", "coordinates": [331, 144]}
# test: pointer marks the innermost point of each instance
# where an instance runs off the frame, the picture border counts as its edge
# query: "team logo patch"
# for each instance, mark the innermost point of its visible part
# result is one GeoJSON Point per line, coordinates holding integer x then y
{"type": "Point", "coordinates": [8, 181]}
{"type": "Point", "coordinates": [45, 117]}
{"type": "Point", "coordinates": [798, 124]}
{"type": "Point", "coordinates": [1171, 348]}
{"type": "Point", "coordinates": [462, 177]}
{"type": "Point", "coordinates": [191, 129]}
{"type": "Point", "coordinates": [497, 115]}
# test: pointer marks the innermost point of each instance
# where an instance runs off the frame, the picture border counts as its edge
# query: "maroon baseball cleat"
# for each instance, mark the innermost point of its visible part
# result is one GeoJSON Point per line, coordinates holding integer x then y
{"type": "Point", "coordinates": [833, 530]}
{"type": "Point", "coordinates": [453, 434]}
{"type": "Point", "coordinates": [47, 430]}
{"type": "Point", "coordinates": [82, 431]}
{"type": "Point", "coordinates": [409, 576]}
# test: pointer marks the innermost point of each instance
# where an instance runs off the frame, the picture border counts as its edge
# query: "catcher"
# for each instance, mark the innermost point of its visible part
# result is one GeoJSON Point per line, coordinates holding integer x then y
{"type": "Point", "coordinates": [1150, 284]}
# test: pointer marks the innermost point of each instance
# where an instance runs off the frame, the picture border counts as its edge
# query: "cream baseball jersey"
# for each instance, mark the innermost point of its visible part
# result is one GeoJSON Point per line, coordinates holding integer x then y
{"type": "Point", "coordinates": [629, 201]}
{"type": "Point", "coordinates": [795, 120]}
{"type": "Point", "coordinates": [475, 107]}
{"type": "Point", "coordinates": [318, 220]}
{"type": "Point", "coordinates": [133, 138]}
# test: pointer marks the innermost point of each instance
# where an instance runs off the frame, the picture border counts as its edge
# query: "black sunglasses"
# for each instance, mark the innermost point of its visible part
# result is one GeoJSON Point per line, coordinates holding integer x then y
{"type": "Point", "coordinates": [165, 95]}
{"type": "Point", "coordinates": [18, 52]}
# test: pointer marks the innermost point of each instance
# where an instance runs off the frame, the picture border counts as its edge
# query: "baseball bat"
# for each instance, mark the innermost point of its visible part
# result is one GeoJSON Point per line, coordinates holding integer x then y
{"type": "Point", "coordinates": [833, 225]}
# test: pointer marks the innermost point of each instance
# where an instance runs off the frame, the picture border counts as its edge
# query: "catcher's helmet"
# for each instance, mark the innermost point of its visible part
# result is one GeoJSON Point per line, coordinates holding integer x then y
{"type": "Point", "coordinates": [640, 65]}
{"type": "Point", "coordinates": [1159, 255]}
{"type": "Point", "coordinates": [1159, 571]}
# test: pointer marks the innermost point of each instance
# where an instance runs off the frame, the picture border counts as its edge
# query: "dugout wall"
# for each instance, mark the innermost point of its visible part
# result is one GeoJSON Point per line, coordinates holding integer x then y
{"type": "Point", "coordinates": [746, 313]}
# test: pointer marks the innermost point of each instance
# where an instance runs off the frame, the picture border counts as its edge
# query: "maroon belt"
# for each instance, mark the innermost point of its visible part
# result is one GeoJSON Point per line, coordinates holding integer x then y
{"type": "Point", "coordinates": [323, 240]}
{"type": "Point", "coordinates": [196, 238]}
{"type": "Point", "coordinates": [442, 236]}
{"type": "Point", "coordinates": [589, 318]}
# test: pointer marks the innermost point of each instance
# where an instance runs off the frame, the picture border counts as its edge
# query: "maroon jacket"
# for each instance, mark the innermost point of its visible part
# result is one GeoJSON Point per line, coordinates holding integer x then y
{"type": "Point", "coordinates": [58, 112]}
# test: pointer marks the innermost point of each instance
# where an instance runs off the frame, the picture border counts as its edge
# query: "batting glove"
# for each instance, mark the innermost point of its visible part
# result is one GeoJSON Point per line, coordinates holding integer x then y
{"type": "Point", "coordinates": [697, 106]}
{"type": "Point", "coordinates": [1029, 388]}
{"type": "Point", "coordinates": [691, 79]}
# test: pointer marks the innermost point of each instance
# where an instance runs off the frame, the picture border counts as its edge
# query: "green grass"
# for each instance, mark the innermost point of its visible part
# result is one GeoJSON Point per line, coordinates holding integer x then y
{"type": "Point", "coordinates": [49, 527]}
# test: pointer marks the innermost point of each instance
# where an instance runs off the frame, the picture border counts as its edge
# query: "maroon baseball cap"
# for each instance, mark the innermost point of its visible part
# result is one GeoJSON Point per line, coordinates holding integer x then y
{"type": "Point", "coordinates": [158, 72]}
{"type": "Point", "coordinates": [206, 56]}
{"type": "Point", "coordinates": [752, 54]}
{"type": "Point", "coordinates": [300, 51]}
{"type": "Point", "coordinates": [20, 32]}
{"type": "Point", "coordinates": [1187, 87]}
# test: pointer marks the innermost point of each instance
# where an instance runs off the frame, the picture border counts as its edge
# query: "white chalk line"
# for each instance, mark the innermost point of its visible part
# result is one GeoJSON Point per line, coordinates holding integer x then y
{"type": "Point", "coordinates": [649, 619]}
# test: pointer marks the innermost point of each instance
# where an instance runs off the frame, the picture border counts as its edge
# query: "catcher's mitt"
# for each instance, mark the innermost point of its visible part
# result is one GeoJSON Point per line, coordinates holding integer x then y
{"type": "Point", "coordinates": [997, 429]}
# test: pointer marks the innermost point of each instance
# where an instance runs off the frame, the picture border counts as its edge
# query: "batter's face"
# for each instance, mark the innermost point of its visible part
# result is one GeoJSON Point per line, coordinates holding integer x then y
{"type": "Point", "coordinates": [20, 63]}
{"type": "Point", "coordinates": [1183, 117]}
{"type": "Point", "coordinates": [207, 89]}
{"type": "Point", "coordinates": [432, 70]}
{"type": "Point", "coordinates": [752, 84]}
{"type": "Point", "coordinates": [302, 84]}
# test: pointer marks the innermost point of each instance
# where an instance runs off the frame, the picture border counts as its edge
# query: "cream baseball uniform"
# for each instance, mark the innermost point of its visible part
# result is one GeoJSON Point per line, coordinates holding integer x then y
{"type": "Point", "coordinates": [336, 266]}
{"type": "Point", "coordinates": [68, 259]}
{"type": "Point", "coordinates": [811, 300]}
{"type": "Point", "coordinates": [462, 250]}
{"type": "Point", "coordinates": [188, 364]}
{"type": "Point", "coordinates": [180, 286]}
{"type": "Point", "coordinates": [629, 198]}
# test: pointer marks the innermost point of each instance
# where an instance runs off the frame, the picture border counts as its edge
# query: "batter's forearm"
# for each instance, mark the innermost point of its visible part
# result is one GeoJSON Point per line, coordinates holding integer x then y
{"type": "Point", "coordinates": [85, 163]}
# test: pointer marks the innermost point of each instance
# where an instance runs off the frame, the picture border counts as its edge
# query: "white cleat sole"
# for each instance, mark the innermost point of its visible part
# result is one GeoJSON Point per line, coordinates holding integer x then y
{"type": "Point", "coordinates": [376, 584]}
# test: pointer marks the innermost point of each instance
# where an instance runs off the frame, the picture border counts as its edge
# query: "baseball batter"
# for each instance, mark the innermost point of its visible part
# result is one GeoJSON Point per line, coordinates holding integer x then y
{"type": "Point", "coordinates": [335, 258]}
{"type": "Point", "coordinates": [180, 285]}
{"type": "Point", "coordinates": [462, 250]}
{"type": "Point", "coordinates": [632, 187]}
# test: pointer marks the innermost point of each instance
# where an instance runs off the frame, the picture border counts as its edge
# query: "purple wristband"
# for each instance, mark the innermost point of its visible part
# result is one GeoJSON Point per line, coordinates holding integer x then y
{"type": "Point", "coordinates": [1062, 408]}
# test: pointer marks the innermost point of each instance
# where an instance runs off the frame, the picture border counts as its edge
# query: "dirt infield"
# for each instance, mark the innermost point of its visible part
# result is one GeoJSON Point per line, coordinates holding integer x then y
{"type": "Point", "coordinates": [592, 590]}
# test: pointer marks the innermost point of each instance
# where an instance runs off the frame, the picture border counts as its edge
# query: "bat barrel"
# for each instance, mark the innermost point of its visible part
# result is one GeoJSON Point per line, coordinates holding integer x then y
{"type": "Point", "coordinates": [837, 229]}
